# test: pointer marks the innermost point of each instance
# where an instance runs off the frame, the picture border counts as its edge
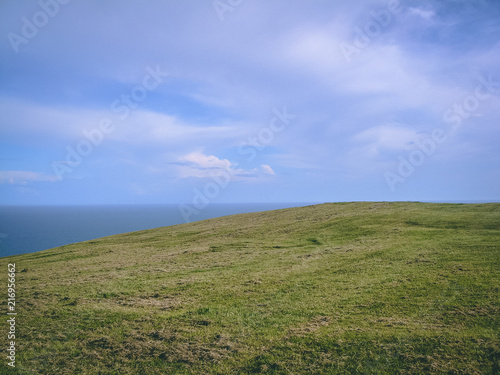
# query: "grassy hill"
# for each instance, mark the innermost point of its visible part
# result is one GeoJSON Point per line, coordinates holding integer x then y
{"type": "Point", "coordinates": [368, 288]}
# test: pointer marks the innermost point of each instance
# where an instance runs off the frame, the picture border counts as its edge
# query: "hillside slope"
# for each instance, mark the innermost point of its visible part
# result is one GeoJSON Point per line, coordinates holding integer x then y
{"type": "Point", "coordinates": [334, 288]}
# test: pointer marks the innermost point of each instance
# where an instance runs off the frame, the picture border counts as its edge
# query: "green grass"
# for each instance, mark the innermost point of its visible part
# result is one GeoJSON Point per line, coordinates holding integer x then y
{"type": "Point", "coordinates": [345, 288]}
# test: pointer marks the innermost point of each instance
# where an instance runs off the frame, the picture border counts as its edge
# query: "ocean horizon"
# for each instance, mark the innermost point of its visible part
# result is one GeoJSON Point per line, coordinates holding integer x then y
{"type": "Point", "coordinates": [29, 229]}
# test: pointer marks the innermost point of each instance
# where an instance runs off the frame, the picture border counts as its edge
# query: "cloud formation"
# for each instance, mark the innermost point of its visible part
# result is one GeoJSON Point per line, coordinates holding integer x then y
{"type": "Point", "coordinates": [199, 165]}
{"type": "Point", "coordinates": [24, 177]}
{"type": "Point", "coordinates": [358, 112]}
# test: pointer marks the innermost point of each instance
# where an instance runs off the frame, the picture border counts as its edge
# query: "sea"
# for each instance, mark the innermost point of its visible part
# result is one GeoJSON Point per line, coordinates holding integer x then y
{"type": "Point", "coordinates": [28, 229]}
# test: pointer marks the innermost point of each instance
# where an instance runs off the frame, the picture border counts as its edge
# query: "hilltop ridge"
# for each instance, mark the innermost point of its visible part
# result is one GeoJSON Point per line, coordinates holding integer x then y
{"type": "Point", "coordinates": [364, 287]}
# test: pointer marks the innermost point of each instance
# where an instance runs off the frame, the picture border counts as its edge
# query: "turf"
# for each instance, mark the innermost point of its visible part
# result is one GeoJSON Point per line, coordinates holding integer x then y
{"type": "Point", "coordinates": [342, 288]}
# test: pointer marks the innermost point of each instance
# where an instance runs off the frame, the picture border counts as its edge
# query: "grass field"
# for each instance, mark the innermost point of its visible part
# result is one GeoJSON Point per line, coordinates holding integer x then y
{"type": "Point", "coordinates": [343, 288]}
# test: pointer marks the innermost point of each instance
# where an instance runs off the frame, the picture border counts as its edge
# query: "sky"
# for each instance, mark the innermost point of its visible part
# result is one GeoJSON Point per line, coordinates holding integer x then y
{"type": "Point", "coordinates": [198, 101]}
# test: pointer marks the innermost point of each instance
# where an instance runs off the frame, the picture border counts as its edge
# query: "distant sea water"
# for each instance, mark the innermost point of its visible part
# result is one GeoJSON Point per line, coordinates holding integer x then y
{"type": "Point", "coordinates": [27, 229]}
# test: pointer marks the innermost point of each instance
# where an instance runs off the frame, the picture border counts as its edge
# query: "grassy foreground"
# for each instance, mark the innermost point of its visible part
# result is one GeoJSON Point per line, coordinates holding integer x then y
{"type": "Point", "coordinates": [368, 288]}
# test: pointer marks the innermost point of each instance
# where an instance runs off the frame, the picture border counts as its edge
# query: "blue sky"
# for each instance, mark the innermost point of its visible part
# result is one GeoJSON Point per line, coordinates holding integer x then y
{"type": "Point", "coordinates": [201, 101]}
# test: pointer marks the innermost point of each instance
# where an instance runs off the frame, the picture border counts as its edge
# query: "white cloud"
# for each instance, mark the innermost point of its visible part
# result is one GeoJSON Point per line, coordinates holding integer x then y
{"type": "Point", "coordinates": [24, 177]}
{"type": "Point", "coordinates": [375, 149]}
{"type": "Point", "coordinates": [145, 127]}
{"type": "Point", "coordinates": [425, 14]}
{"type": "Point", "coordinates": [140, 127]}
{"type": "Point", "coordinates": [266, 169]}
{"type": "Point", "coordinates": [386, 138]}
{"type": "Point", "coordinates": [203, 161]}
{"type": "Point", "coordinates": [199, 165]}
{"type": "Point", "coordinates": [314, 50]}
{"type": "Point", "coordinates": [34, 119]}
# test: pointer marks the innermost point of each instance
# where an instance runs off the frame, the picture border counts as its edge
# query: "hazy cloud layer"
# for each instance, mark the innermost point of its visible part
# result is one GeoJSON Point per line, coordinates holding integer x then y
{"type": "Point", "coordinates": [144, 102]}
